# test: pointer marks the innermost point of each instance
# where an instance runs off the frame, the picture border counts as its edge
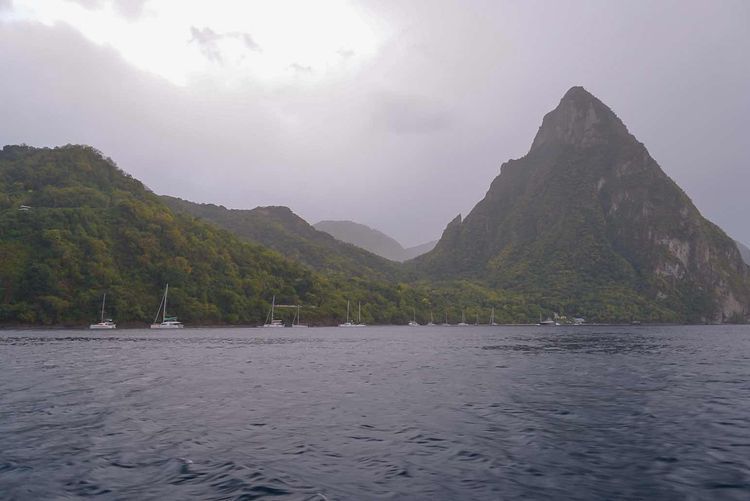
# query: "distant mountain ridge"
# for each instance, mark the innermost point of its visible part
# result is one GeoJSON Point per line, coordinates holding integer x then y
{"type": "Point", "coordinates": [588, 221]}
{"type": "Point", "coordinates": [372, 240]}
{"type": "Point", "coordinates": [282, 230]}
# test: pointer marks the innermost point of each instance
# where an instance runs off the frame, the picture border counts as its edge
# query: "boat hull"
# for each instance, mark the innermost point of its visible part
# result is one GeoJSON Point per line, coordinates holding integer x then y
{"type": "Point", "coordinates": [167, 326]}
{"type": "Point", "coordinates": [102, 326]}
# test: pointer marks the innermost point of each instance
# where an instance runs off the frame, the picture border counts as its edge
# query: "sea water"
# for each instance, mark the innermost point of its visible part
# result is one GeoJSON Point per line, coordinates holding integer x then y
{"type": "Point", "coordinates": [377, 413]}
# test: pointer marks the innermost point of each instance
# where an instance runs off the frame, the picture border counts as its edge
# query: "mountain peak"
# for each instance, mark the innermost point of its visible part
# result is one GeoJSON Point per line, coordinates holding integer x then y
{"type": "Point", "coordinates": [579, 120]}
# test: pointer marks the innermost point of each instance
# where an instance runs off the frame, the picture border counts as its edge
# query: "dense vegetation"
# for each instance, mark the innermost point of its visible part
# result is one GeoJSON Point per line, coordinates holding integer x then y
{"type": "Point", "coordinates": [73, 226]}
{"type": "Point", "coordinates": [280, 229]}
{"type": "Point", "coordinates": [90, 229]}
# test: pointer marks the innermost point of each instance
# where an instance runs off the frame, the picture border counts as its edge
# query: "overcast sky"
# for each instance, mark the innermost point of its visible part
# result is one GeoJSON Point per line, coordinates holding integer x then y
{"type": "Point", "coordinates": [396, 114]}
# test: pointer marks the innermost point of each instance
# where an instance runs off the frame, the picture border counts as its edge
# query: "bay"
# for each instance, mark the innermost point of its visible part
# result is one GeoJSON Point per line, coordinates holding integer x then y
{"type": "Point", "coordinates": [377, 413]}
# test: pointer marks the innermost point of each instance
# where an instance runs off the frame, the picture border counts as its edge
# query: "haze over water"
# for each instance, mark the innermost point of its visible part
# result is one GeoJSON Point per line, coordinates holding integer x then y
{"type": "Point", "coordinates": [387, 412]}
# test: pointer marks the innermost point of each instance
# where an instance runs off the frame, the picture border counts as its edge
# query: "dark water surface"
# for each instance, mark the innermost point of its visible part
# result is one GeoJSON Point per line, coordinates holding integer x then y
{"type": "Point", "coordinates": [377, 413]}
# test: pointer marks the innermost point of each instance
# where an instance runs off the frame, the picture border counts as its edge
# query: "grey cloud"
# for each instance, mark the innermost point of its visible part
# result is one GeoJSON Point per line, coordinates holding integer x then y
{"type": "Point", "coordinates": [300, 68]}
{"type": "Point", "coordinates": [209, 40]}
{"type": "Point", "coordinates": [130, 9]}
{"type": "Point", "coordinates": [249, 42]}
{"type": "Point", "coordinates": [6, 5]}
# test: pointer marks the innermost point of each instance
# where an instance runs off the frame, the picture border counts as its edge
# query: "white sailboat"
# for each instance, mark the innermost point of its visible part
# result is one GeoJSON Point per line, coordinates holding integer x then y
{"type": "Point", "coordinates": [413, 321]}
{"type": "Point", "coordinates": [347, 323]}
{"type": "Point", "coordinates": [166, 322]}
{"type": "Point", "coordinates": [431, 323]}
{"type": "Point", "coordinates": [273, 323]}
{"type": "Point", "coordinates": [104, 324]}
{"type": "Point", "coordinates": [296, 324]}
{"type": "Point", "coordinates": [463, 323]}
{"type": "Point", "coordinates": [492, 318]}
{"type": "Point", "coordinates": [359, 316]}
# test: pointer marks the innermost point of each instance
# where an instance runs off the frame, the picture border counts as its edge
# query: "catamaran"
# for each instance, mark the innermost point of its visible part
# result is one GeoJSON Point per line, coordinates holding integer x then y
{"type": "Point", "coordinates": [166, 322]}
{"type": "Point", "coordinates": [104, 323]}
{"type": "Point", "coordinates": [272, 322]}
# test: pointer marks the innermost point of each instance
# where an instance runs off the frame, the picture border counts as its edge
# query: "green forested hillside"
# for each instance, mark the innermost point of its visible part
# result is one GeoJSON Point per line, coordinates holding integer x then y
{"type": "Point", "coordinates": [282, 230]}
{"type": "Point", "coordinates": [90, 229]}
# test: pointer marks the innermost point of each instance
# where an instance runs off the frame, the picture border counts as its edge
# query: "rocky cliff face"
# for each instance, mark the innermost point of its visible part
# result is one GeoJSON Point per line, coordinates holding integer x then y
{"type": "Point", "coordinates": [587, 210]}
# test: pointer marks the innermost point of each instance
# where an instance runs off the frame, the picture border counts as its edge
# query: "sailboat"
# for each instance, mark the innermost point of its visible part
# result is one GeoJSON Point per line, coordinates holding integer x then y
{"type": "Point", "coordinates": [273, 323]}
{"type": "Point", "coordinates": [413, 321]}
{"type": "Point", "coordinates": [359, 316]}
{"type": "Point", "coordinates": [463, 323]}
{"type": "Point", "coordinates": [492, 318]}
{"type": "Point", "coordinates": [431, 323]}
{"type": "Point", "coordinates": [166, 322]}
{"type": "Point", "coordinates": [297, 324]}
{"type": "Point", "coordinates": [446, 318]}
{"type": "Point", "coordinates": [347, 323]}
{"type": "Point", "coordinates": [104, 324]}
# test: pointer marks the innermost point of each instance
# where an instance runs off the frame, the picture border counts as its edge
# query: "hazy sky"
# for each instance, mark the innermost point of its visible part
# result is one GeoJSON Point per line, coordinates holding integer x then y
{"type": "Point", "coordinates": [396, 114]}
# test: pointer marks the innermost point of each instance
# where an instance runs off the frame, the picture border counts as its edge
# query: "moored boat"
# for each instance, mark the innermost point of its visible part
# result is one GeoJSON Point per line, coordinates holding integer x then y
{"type": "Point", "coordinates": [166, 322]}
{"type": "Point", "coordinates": [270, 321]}
{"type": "Point", "coordinates": [104, 323]}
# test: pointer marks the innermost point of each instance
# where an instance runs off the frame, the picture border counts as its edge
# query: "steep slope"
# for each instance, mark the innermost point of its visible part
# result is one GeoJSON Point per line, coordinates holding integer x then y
{"type": "Point", "coordinates": [588, 220]}
{"type": "Point", "coordinates": [364, 237]}
{"type": "Point", "coordinates": [282, 230]}
{"type": "Point", "coordinates": [744, 251]}
{"type": "Point", "coordinates": [91, 228]}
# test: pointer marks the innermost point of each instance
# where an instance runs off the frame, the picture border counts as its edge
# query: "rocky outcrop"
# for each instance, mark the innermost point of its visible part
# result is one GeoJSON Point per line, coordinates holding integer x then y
{"type": "Point", "coordinates": [588, 211]}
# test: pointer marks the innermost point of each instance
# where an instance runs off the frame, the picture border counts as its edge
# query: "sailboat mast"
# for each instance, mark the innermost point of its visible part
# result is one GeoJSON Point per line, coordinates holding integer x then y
{"type": "Point", "coordinates": [103, 300]}
{"type": "Point", "coordinates": [347, 311]}
{"type": "Point", "coordinates": [359, 313]}
{"type": "Point", "coordinates": [273, 304]}
{"type": "Point", "coordinates": [164, 313]}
